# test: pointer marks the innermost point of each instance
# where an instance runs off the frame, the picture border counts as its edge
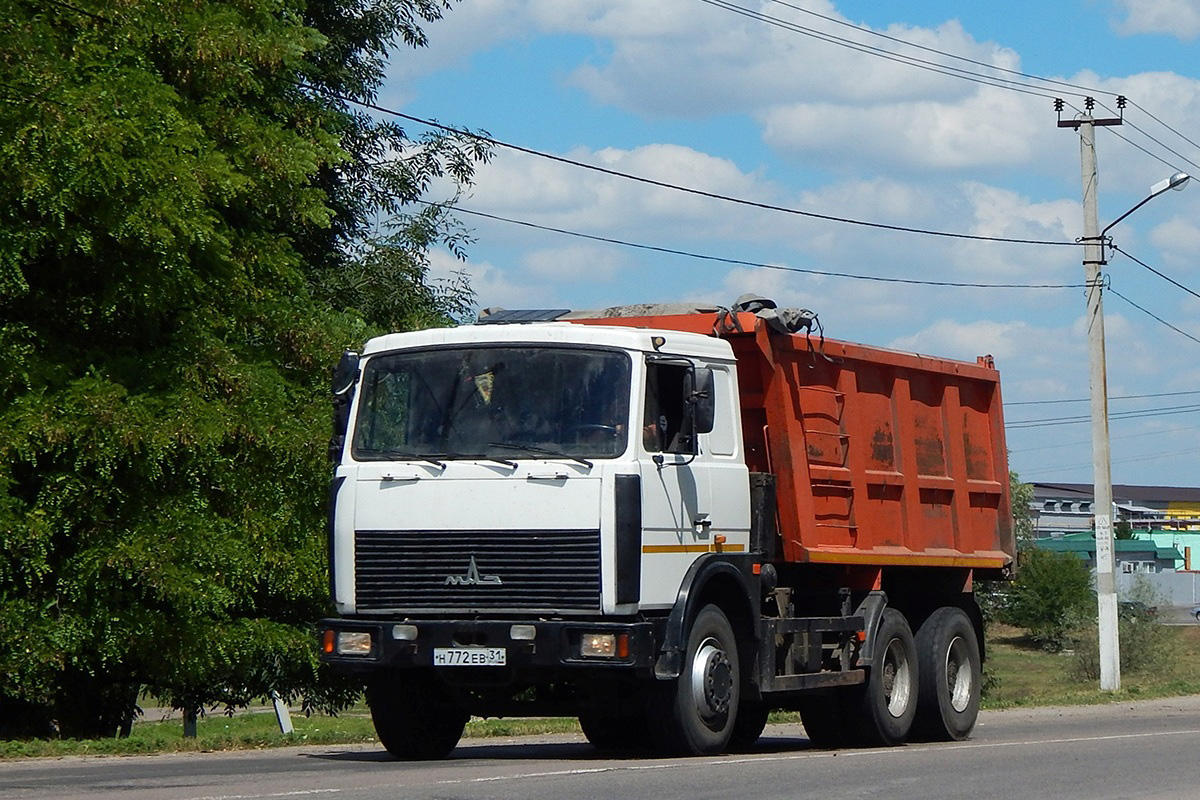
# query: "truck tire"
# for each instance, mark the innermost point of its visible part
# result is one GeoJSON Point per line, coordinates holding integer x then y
{"type": "Point", "coordinates": [888, 701]}
{"type": "Point", "coordinates": [951, 675]}
{"type": "Point", "coordinates": [695, 713]}
{"type": "Point", "coordinates": [415, 718]}
{"type": "Point", "coordinates": [748, 727]}
{"type": "Point", "coordinates": [825, 719]}
{"type": "Point", "coordinates": [613, 733]}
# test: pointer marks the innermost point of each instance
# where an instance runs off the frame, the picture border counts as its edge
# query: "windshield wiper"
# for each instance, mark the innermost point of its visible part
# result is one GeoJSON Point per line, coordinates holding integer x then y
{"type": "Point", "coordinates": [545, 451]}
{"type": "Point", "coordinates": [428, 458]}
{"type": "Point", "coordinates": [431, 458]}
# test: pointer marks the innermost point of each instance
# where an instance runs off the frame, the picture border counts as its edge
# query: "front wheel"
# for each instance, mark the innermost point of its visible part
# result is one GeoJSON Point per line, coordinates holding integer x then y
{"type": "Point", "coordinates": [695, 713]}
{"type": "Point", "coordinates": [951, 674]}
{"type": "Point", "coordinates": [615, 733]}
{"type": "Point", "coordinates": [414, 716]}
{"type": "Point", "coordinates": [748, 727]}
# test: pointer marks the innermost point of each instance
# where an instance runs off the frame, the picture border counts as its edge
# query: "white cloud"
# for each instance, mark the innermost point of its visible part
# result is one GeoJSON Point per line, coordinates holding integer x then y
{"type": "Point", "coordinates": [817, 102]}
{"type": "Point", "coordinates": [1178, 18]}
{"type": "Point", "coordinates": [946, 133]}
{"type": "Point", "coordinates": [1179, 241]}
{"type": "Point", "coordinates": [708, 58]}
{"type": "Point", "coordinates": [493, 286]}
{"type": "Point", "coordinates": [580, 263]}
{"type": "Point", "coordinates": [550, 193]}
{"type": "Point", "coordinates": [1006, 341]}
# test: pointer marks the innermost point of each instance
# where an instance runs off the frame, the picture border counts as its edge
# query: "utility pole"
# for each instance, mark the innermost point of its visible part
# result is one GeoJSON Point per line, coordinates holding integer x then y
{"type": "Point", "coordinates": [1093, 260]}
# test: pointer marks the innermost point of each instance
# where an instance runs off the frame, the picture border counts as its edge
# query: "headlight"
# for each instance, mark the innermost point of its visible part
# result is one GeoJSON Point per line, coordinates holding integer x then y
{"type": "Point", "coordinates": [598, 645]}
{"type": "Point", "coordinates": [353, 643]}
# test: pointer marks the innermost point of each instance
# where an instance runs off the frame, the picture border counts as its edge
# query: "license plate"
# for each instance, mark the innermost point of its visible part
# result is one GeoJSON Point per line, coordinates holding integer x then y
{"type": "Point", "coordinates": [470, 657]}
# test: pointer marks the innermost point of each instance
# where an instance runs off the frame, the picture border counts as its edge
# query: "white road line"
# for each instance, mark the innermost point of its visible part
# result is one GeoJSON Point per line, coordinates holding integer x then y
{"type": "Point", "coordinates": [293, 793]}
{"type": "Point", "coordinates": [722, 761]}
{"type": "Point", "coordinates": [887, 751]}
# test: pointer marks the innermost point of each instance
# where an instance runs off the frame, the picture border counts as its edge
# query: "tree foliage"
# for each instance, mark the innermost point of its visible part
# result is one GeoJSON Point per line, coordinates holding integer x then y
{"type": "Point", "coordinates": [1051, 596]}
{"type": "Point", "coordinates": [1021, 495]}
{"type": "Point", "coordinates": [194, 221]}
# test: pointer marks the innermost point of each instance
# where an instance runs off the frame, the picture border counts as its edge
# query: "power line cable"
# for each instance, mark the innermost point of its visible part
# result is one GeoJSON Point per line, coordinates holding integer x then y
{"type": "Point", "coordinates": [945, 69]}
{"type": "Point", "coordinates": [685, 189]}
{"type": "Point", "coordinates": [1115, 416]}
{"type": "Point", "coordinates": [1087, 399]}
{"type": "Point", "coordinates": [1138, 435]}
{"type": "Point", "coordinates": [1155, 316]}
{"type": "Point", "coordinates": [912, 61]}
{"type": "Point", "coordinates": [756, 264]}
{"type": "Point", "coordinates": [1082, 91]}
{"type": "Point", "coordinates": [1116, 462]}
{"type": "Point", "coordinates": [1165, 125]}
{"type": "Point", "coordinates": [1166, 278]}
{"type": "Point", "coordinates": [1129, 141]}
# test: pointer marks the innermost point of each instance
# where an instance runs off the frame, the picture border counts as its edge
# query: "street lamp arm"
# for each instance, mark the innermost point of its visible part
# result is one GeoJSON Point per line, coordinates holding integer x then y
{"type": "Point", "coordinates": [1126, 214]}
{"type": "Point", "coordinates": [1175, 182]}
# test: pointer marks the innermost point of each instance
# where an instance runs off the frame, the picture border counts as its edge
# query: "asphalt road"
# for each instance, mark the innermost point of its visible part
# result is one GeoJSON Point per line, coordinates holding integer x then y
{"type": "Point", "coordinates": [1145, 750]}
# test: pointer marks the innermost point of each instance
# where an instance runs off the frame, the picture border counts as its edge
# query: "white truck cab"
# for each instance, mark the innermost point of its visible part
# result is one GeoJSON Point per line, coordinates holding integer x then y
{"type": "Point", "coordinates": [481, 467]}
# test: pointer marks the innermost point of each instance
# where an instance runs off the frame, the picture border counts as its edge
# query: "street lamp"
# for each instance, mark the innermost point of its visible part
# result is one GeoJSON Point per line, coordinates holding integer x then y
{"type": "Point", "coordinates": [1093, 259]}
{"type": "Point", "coordinates": [1176, 182]}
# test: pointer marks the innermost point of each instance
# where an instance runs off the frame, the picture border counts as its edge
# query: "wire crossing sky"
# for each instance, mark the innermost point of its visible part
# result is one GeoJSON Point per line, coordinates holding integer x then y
{"type": "Point", "coordinates": [660, 152]}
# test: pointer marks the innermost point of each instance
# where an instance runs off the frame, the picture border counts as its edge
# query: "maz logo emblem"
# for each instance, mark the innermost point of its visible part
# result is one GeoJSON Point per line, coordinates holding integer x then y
{"type": "Point", "coordinates": [473, 578]}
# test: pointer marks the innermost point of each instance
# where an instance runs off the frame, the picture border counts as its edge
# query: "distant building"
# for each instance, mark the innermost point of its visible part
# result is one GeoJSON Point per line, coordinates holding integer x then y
{"type": "Point", "coordinates": [1132, 556]}
{"type": "Point", "coordinates": [1160, 566]}
{"type": "Point", "coordinates": [1059, 509]}
{"type": "Point", "coordinates": [1165, 520]}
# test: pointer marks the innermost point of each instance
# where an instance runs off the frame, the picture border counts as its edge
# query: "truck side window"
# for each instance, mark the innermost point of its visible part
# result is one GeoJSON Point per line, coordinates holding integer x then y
{"type": "Point", "coordinates": [663, 423]}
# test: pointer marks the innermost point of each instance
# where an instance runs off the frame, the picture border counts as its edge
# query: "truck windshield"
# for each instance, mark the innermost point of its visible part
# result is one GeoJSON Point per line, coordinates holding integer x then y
{"type": "Point", "coordinates": [504, 403]}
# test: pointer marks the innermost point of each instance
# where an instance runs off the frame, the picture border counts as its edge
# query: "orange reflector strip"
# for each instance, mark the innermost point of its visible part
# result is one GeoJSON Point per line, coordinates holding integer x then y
{"type": "Point", "coordinates": [622, 645]}
{"type": "Point", "coordinates": [862, 636]}
{"type": "Point", "coordinates": [327, 641]}
{"type": "Point", "coordinates": [756, 569]}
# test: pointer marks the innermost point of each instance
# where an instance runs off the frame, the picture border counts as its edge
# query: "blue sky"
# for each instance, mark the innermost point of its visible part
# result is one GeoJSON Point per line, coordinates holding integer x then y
{"type": "Point", "coordinates": [693, 94]}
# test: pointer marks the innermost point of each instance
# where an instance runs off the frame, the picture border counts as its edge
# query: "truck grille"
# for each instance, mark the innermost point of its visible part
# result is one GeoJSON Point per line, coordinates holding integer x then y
{"type": "Point", "coordinates": [557, 570]}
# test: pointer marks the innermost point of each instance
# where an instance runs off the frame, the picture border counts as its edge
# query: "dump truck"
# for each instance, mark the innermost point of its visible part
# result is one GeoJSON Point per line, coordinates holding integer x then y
{"type": "Point", "coordinates": [665, 524]}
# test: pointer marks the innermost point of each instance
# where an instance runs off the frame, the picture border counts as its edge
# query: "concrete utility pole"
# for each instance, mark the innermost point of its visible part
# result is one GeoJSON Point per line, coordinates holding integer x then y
{"type": "Point", "coordinates": [1093, 260]}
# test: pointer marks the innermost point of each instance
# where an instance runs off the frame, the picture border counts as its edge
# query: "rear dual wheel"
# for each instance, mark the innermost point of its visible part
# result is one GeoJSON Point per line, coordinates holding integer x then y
{"type": "Point", "coordinates": [951, 673]}
{"type": "Point", "coordinates": [888, 702]}
{"type": "Point", "coordinates": [879, 712]}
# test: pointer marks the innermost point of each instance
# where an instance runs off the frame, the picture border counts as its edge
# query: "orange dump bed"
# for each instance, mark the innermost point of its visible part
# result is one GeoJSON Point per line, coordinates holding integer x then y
{"type": "Point", "coordinates": [882, 458]}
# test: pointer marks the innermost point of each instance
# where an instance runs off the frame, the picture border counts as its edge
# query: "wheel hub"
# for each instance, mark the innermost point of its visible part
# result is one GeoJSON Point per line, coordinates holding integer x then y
{"type": "Point", "coordinates": [959, 679]}
{"type": "Point", "coordinates": [896, 679]}
{"type": "Point", "coordinates": [711, 680]}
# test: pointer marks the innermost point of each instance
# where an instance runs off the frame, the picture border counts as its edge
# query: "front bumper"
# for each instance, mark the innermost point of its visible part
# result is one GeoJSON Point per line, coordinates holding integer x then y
{"type": "Point", "coordinates": [556, 644]}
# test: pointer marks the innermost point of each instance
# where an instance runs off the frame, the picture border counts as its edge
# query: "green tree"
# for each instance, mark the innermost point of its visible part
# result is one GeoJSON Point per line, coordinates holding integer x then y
{"type": "Point", "coordinates": [190, 221]}
{"type": "Point", "coordinates": [993, 596]}
{"type": "Point", "coordinates": [1022, 498]}
{"type": "Point", "coordinates": [1051, 596]}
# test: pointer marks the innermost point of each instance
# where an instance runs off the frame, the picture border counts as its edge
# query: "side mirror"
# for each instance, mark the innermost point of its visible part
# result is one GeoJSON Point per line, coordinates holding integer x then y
{"type": "Point", "coordinates": [345, 378]}
{"type": "Point", "coordinates": [703, 400]}
{"type": "Point", "coordinates": [345, 374]}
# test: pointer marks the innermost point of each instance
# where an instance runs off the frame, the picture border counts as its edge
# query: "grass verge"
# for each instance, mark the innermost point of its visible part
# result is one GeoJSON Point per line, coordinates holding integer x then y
{"type": "Point", "coordinates": [1018, 674]}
